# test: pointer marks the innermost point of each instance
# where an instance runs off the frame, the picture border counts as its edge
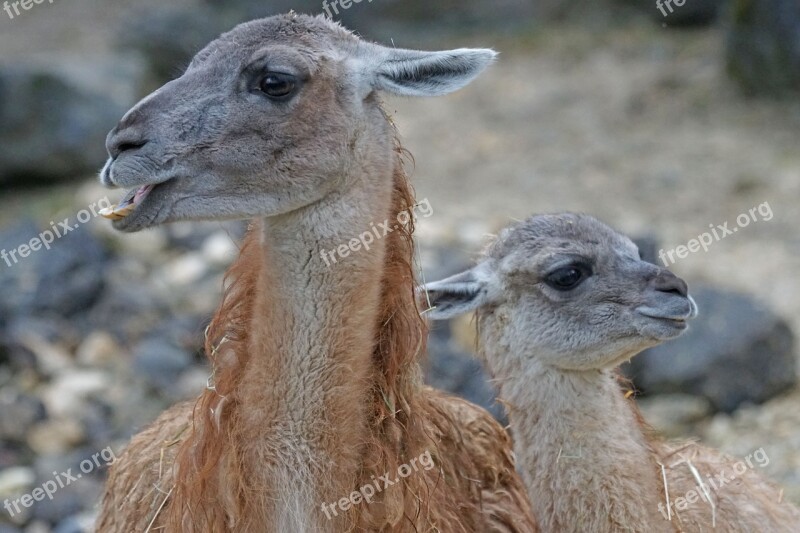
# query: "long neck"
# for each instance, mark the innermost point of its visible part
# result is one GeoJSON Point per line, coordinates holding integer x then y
{"type": "Point", "coordinates": [581, 451]}
{"type": "Point", "coordinates": [304, 397]}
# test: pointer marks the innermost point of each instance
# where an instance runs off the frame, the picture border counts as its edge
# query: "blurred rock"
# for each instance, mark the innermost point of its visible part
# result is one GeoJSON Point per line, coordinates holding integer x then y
{"type": "Point", "coordinates": [160, 361]}
{"type": "Point", "coordinates": [51, 329]}
{"type": "Point", "coordinates": [79, 495]}
{"type": "Point", "coordinates": [736, 351]}
{"type": "Point", "coordinates": [61, 281]}
{"type": "Point", "coordinates": [51, 130]}
{"type": "Point", "coordinates": [98, 349]}
{"type": "Point", "coordinates": [184, 270]}
{"type": "Point", "coordinates": [80, 523]}
{"type": "Point", "coordinates": [69, 391]}
{"type": "Point", "coordinates": [195, 235]}
{"type": "Point", "coordinates": [186, 332]}
{"type": "Point", "coordinates": [398, 18]}
{"type": "Point", "coordinates": [674, 415]}
{"type": "Point", "coordinates": [13, 453]}
{"type": "Point", "coordinates": [56, 436]}
{"type": "Point", "coordinates": [39, 343]}
{"type": "Point", "coordinates": [16, 480]}
{"type": "Point", "coordinates": [220, 249]}
{"type": "Point", "coordinates": [20, 412]}
{"type": "Point", "coordinates": [648, 248]}
{"type": "Point", "coordinates": [130, 305]}
{"type": "Point", "coordinates": [38, 526]}
{"type": "Point", "coordinates": [146, 244]}
{"type": "Point", "coordinates": [456, 371]}
{"type": "Point", "coordinates": [439, 262]}
{"type": "Point", "coordinates": [690, 13]}
{"type": "Point", "coordinates": [97, 420]}
{"type": "Point", "coordinates": [167, 38]}
{"type": "Point", "coordinates": [763, 49]}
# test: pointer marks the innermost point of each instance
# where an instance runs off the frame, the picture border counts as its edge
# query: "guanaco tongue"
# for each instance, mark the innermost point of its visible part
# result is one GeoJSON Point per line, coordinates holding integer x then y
{"type": "Point", "coordinates": [129, 202]}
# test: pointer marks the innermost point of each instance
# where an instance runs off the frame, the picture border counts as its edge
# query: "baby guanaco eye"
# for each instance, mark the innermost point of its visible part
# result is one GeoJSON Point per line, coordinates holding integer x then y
{"type": "Point", "coordinates": [278, 85]}
{"type": "Point", "coordinates": [568, 277]}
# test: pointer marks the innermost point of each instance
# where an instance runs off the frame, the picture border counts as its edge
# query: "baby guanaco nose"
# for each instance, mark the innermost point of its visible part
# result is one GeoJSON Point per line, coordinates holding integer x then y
{"type": "Point", "coordinates": [668, 282]}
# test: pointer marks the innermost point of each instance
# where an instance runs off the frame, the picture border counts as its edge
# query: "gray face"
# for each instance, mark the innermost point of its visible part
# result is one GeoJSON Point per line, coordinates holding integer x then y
{"type": "Point", "coordinates": [569, 291]}
{"type": "Point", "coordinates": [269, 118]}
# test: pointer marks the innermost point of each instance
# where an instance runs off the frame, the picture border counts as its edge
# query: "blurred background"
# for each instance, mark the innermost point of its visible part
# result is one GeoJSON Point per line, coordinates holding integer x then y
{"type": "Point", "coordinates": [662, 121]}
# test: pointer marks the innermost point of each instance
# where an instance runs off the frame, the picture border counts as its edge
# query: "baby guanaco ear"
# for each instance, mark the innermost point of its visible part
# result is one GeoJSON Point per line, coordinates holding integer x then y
{"type": "Point", "coordinates": [414, 73]}
{"type": "Point", "coordinates": [456, 295]}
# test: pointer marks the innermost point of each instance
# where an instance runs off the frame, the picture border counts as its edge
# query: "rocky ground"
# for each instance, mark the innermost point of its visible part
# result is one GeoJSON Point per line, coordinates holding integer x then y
{"type": "Point", "coordinates": [630, 122]}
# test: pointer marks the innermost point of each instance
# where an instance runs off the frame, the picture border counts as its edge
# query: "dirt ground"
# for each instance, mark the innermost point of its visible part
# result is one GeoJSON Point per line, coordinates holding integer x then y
{"type": "Point", "coordinates": [636, 125]}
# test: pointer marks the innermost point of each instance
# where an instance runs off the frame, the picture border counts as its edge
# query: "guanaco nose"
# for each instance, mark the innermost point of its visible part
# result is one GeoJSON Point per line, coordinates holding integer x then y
{"type": "Point", "coordinates": [124, 140]}
{"type": "Point", "coordinates": [668, 282]}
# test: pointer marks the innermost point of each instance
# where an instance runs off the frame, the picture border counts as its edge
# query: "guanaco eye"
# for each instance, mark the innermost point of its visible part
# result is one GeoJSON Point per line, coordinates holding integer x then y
{"type": "Point", "coordinates": [277, 85]}
{"type": "Point", "coordinates": [568, 277]}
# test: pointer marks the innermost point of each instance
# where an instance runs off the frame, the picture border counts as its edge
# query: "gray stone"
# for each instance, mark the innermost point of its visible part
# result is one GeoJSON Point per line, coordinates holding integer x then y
{"type": "Point", "coordinates": [80, 523]}
{"type": "Point", "coordinates": [737, 351]}
{"type": "Point", "coordinates": [763, 49]}
{"type": "Point", "coordinates": [446, 260]}
{"type": "Point", "coordinates": [127, 309]}
{"type": "Point", "coordinates": [381, 18]}
{"type": "Point", "coordinates": [20, 412]}
{"type": "Point", "coordinates": [79, 495]}
{"type": "Point", "coordinates": [51, 130]}
{"type": "Point", "coordinates": [61, 281]}
{"type": "Point", "coordinates": [168, 37]}
{"type": "Point", "coordinates": [648, 248]}
{"type": "Point", "coordinates": [452, 370]}
{"type": "Point", "coordinates": [691, 13]}
{"type": "Point", "coordinates": [16, 480]}
{"type": "Point", "coordinates": [160, 361]}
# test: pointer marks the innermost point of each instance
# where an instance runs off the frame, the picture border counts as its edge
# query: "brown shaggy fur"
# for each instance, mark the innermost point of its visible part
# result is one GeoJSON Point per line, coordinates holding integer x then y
{"type": "Point", "coordinates": [184, 473]}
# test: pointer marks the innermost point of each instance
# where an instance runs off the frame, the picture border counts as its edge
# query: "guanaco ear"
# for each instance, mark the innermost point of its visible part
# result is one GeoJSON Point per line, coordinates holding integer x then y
{"type": "Point", "coordinates": [414, 73]}
{"type": "Point", "coordinates": [456, 295]}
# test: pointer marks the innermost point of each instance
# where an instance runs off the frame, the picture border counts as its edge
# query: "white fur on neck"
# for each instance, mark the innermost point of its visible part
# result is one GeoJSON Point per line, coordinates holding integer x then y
{"type": "Point", "coordinates": [586, 464]}
{"type": "Point", "coordinates": [312, 363]}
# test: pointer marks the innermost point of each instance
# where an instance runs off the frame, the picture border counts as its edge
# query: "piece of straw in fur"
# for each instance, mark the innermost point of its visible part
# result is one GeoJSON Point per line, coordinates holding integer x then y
{"type": "Point", "coordinates": [702, 486]}
{"type": "Point", "coordinates": [666, 491]}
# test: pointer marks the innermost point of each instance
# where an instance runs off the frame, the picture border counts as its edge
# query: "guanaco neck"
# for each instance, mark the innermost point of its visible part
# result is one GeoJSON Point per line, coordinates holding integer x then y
{"type": "Point", "coordinates": [306, 391]}
{"type": "Point", "coordinates": [581, 451]}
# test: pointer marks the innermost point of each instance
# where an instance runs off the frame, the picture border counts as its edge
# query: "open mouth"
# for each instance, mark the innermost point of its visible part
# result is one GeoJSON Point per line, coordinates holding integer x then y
{"type": "Point", "coordinates": [128, 204]}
